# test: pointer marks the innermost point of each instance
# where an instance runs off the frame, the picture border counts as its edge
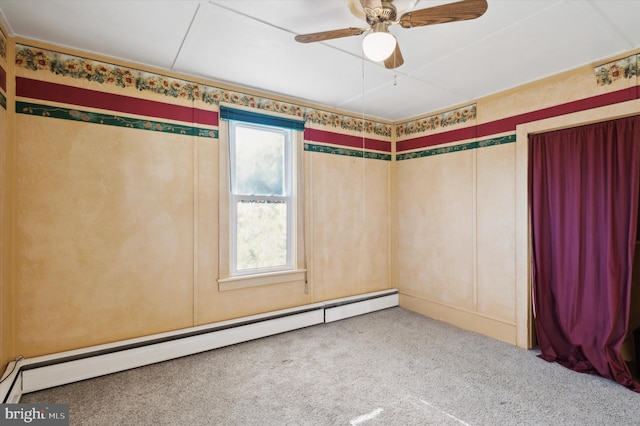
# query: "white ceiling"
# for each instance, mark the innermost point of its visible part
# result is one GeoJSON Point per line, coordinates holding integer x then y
{"type": "Point", "coordinates": [250, 43]}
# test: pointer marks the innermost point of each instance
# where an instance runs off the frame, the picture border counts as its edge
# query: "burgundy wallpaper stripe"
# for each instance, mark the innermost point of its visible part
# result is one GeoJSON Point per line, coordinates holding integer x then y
{"type": "Point", "coordinates": [345, 140]}
{"type": "Point", "coordinates": [3, 79]}
{"type": "Point", "coordinates": [42, 90]}
{"type": "Point", "coordinates": [437, 139]}
{"type": "Point", "coordinates": [509, 124]}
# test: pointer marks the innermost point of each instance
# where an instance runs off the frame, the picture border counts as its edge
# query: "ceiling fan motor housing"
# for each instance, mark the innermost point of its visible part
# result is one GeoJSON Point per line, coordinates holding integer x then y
{"type": "Point", "coordinates": [386, 13]}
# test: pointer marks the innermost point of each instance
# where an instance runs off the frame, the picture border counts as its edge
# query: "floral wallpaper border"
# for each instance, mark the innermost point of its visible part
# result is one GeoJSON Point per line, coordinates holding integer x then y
{"type": "Point", "coordinates": [622, 68]}
{"type": "Point", "coordinates": [445, 119]}
{"type": "Point", "coordinates": [37, 59]}
{"type": "Point", "coordinates": [456, 148]}
{"type": "Point", "coordinates": [112, 120]}
{"type": "Point", "coordinates": [346, 151]}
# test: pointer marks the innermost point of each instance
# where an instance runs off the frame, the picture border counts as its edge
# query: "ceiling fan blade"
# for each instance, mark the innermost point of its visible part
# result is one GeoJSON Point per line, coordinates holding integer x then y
{"type": "Point", "coordinates": [329, 35]}
{"type": "Point", "coordinates": [395, 60]}
{"type": "Point", "coordinates": [458, 11]}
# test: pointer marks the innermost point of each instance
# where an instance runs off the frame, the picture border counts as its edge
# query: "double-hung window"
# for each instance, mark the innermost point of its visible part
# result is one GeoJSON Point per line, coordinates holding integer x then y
{"type": "Point", "coordinates": [261, 199]}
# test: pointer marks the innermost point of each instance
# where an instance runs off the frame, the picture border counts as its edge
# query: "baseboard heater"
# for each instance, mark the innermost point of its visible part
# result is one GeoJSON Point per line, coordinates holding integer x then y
{"type": "Point", "coordinates": [32, 374]}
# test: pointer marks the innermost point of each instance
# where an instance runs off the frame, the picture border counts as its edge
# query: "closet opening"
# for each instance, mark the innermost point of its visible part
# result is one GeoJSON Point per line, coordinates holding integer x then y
{"type": "Point", "coordinates": [583, 188]}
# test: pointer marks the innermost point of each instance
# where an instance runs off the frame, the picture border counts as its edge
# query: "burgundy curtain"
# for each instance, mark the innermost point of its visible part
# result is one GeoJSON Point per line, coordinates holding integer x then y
{"type": "Point", "coordinates": [583, 195]}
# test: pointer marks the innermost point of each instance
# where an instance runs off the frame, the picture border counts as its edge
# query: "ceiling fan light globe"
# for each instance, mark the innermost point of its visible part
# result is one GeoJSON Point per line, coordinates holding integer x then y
{"type": "Point", "coordinates": [378, 46]}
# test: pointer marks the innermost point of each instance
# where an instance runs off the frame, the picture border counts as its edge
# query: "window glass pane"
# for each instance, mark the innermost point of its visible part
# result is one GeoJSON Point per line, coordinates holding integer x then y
{"type": "Point", "coordinates": [260, 162]}
{"type": "Point", "coordinates": [261, 234]}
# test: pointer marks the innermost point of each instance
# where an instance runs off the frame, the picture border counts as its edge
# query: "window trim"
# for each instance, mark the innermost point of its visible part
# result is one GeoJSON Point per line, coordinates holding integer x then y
{"type": "Point", "coordinates": [289, 198]}
{"type": "Point", "coordinates": [254, 280]}
{"type": "Point", "coordinates": [297, 272]}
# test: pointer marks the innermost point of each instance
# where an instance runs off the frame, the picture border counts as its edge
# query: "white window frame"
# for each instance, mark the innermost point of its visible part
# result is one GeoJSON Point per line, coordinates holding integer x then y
{"type": "Point", "coordinates": [288, 198]}
{"type": "Point", "coordinates": [295, 272]}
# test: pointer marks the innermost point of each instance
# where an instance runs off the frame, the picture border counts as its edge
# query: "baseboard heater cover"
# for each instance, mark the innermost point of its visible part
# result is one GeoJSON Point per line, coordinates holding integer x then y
{"type": "Point", "coordinates": [335, 310]}
{"type": "Point", "coordinates": [10, 387]}
{"type": "Point", "coordinates": [33, 374]}
{"type": "Point", "coordinates": [49, 373]}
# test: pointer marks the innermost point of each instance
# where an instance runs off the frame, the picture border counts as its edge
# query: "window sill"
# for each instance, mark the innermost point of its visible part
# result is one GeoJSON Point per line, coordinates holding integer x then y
{"type": "Point", "coordinates": [234, 283]}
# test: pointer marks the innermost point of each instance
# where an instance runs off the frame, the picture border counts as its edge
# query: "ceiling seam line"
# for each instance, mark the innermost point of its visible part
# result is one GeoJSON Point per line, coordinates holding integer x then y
{"type": "Point", "coordinates": [186, 34]}
{"type": "Point", "coordinates": [253, 18]}
{"type": "Point", "coordinates": [610, 24]}
{"type": "Point", "coordinates": [489, 36]}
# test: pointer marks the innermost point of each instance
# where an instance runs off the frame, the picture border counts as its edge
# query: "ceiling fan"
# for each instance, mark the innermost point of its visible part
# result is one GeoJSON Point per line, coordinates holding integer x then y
{"type": "Point", "coordinates": [379, 45]}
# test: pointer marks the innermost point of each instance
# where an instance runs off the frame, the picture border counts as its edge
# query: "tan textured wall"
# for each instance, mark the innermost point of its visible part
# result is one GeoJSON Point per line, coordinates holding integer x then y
{"type": "Point", "coordinates": [495, 192]}
{"type": "Point", "coordinates": [117, 227]}
{"type": "Point", "coordinates": [349, 216]}
{"type": "Point", "coordinates": [435, 198]}
{"type": "Point", "coordinates": [462, 214]}
{"type": "Point", "coordinates": [104, 241]}
{"type": "Point", "coordinates": [6, 318]}
{"type": "Point", "coordinates": [457, 236]}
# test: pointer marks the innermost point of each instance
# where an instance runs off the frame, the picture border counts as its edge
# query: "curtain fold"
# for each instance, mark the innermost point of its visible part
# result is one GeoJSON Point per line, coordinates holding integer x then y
{"type": "Point", "coordinates": [583, 196]}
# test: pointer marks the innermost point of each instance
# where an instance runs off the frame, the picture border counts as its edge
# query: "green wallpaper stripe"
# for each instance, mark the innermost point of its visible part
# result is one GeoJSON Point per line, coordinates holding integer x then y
{"type": "Point", "coordinates": [347, 152]}
{"type": "Point", "coordinates": [456, 148]}
{"type": "Point", "coordinates": [112, 120]}
{"type": "Point", "coordinates": [157, 126]}
{"type": "Point", "coordinates": [3, 101]}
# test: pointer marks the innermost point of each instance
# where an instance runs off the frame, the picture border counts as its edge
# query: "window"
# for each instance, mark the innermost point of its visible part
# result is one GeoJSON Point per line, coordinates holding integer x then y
{"type": "Point", "coordinates": [262, 213]}
{"type": "Point", "coordinates": [261, 217]}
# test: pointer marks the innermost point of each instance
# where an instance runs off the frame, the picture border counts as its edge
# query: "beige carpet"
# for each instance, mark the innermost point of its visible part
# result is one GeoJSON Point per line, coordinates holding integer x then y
{"type": "Point", "coordinates": [391, 367]}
